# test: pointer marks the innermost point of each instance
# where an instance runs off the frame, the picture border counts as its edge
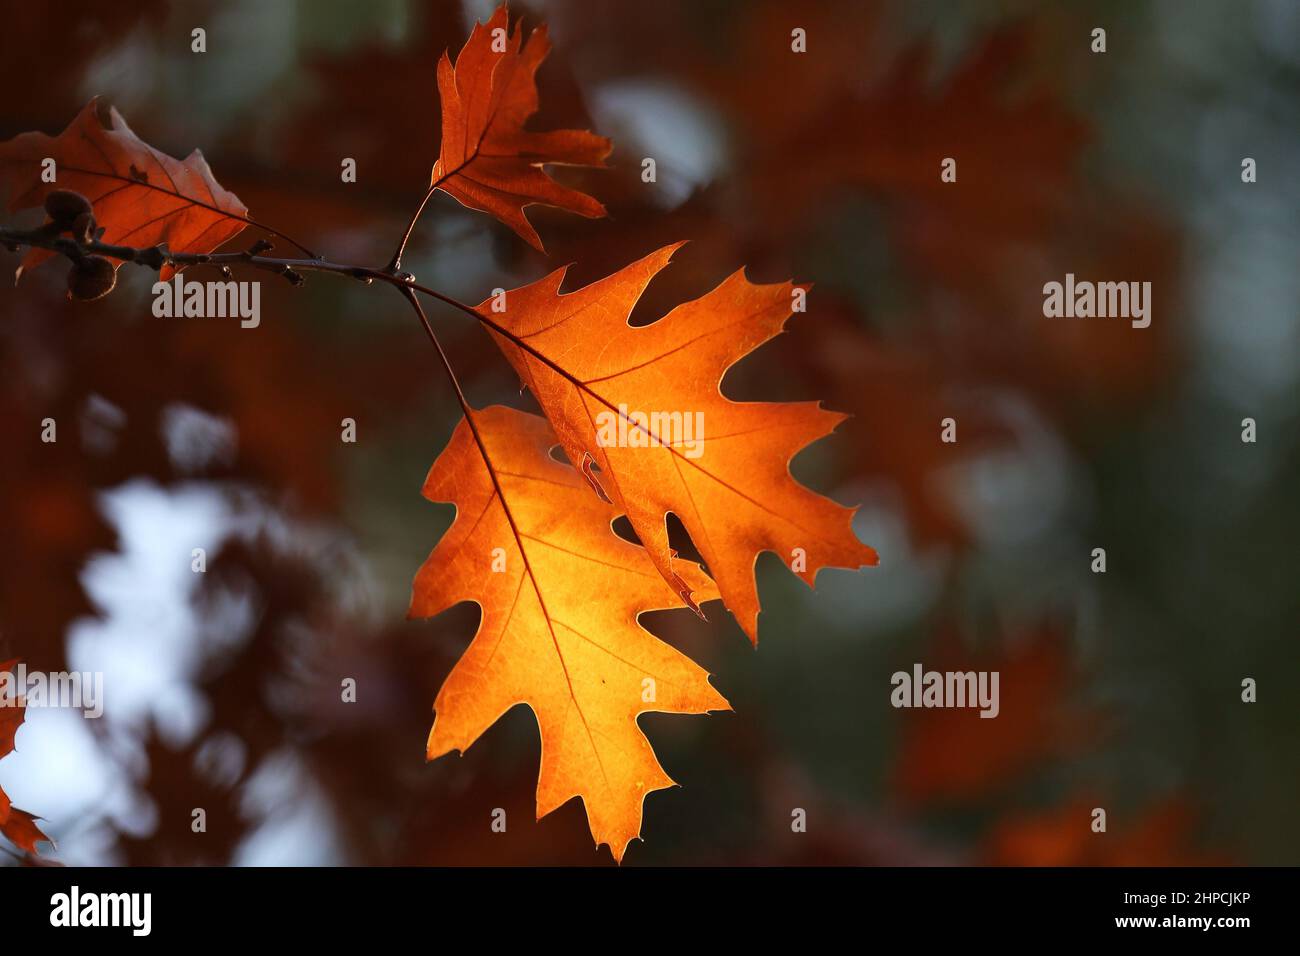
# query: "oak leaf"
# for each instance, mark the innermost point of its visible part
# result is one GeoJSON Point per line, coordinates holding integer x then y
{"type": "Point", "coordinates": [140, 196]}
{"type": "Point", "coordinates": [599, 379]}
{"type": "Point", "coordinates": [487, 160]}
{"type": "Point", "coordinates": [559, 629]}
{"type": "Point", "coordinates": [18, 825]}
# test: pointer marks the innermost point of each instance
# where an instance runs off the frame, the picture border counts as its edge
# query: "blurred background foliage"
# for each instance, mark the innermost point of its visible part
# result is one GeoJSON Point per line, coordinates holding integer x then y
{"type": "Point", "coordinates": [1119, 690]}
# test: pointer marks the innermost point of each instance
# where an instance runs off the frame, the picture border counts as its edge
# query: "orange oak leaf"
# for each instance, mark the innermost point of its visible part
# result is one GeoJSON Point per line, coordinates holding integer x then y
{"type": "Point", "coordinates": [18, 825]}
{"type": "Point", "coordinates": [621, 399]}
{"type": "Point", "coordinates": [560, 594]}
{"type": "Point", "coordinates": [487, 160]}
{"type": "Point", "coordinates": [140, 196]}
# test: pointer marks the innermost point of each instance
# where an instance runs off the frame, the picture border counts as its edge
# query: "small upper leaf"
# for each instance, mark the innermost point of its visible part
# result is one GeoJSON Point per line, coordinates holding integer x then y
{"type": "Point", "coordinates": [140, 196]}
{"type": "Point", "coordinates": [487, 160]}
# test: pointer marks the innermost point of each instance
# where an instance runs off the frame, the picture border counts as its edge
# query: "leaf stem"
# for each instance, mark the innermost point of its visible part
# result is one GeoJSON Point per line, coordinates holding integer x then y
{"type": "Point", "coordinates": [395, 263]}
{"type": "Point", "coordinates": [411, 297]}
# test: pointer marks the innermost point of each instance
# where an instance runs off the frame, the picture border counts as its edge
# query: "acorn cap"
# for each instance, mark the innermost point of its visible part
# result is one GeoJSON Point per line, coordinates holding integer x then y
{"type": "Point", "coordinates": [64, 206]}
{"type": "Point", "coordinates": [90, 278]}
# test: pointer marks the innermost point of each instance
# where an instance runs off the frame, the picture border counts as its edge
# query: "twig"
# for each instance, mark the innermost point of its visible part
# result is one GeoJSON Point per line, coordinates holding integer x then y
{"type": "Point", "coordinates": [155, 257]}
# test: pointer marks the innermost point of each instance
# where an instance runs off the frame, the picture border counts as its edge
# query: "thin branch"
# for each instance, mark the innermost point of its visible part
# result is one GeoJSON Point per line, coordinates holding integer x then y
{"type": "Point", "coordinates": [156, 257]}
{"type": "Point", "coordinates": [48, 237]}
